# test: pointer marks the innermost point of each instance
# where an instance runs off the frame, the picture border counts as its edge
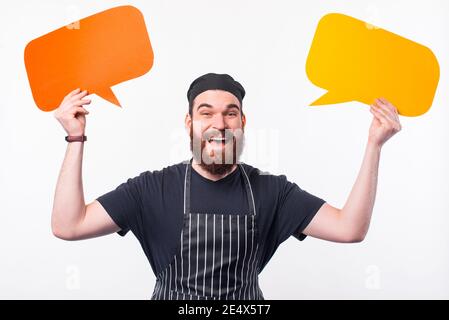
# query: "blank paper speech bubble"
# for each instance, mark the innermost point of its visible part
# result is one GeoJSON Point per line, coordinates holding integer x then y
{"type": "Point", "coordinates": [94, 54]}
{"type": "Point", "coordinates": [354, 60]}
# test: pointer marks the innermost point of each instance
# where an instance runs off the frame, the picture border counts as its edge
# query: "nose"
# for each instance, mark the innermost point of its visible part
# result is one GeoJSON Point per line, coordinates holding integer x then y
{"type": "Point", "coordinates": [219, 122]}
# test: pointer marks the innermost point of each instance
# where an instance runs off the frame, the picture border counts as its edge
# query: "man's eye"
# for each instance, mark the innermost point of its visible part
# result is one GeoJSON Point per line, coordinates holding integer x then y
{"type": "Point", "coordinates": [205, 114]}
{"type": "Point", "coordinates": [232, 114]}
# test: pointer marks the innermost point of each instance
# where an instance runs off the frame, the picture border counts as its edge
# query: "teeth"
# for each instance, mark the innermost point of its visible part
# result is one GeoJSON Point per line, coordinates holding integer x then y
{"type": "Point", "coordinates": [217, 139]}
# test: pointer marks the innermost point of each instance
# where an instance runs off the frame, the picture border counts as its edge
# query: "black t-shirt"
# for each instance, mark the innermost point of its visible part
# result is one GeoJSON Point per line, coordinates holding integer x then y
{"type": "Point", "coordinates": [151, 206]}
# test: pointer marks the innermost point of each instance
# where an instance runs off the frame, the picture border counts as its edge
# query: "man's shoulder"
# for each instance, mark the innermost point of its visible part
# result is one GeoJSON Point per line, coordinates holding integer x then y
{"type": "Point", "coordinates": [170, 171]}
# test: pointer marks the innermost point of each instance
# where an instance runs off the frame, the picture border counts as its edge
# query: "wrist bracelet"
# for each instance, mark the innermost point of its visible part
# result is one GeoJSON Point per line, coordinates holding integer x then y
{"type": "Point", "coordinates": [76, 138]}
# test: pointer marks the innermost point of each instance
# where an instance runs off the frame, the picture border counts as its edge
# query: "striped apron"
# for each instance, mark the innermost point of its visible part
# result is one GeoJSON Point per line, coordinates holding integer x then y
{"type": "Point", "coordinates": [217, 257]}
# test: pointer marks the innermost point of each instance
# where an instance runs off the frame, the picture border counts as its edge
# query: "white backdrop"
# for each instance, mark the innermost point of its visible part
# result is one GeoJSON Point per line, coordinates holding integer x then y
{"type": "Point", "coordinates": [264, 45]}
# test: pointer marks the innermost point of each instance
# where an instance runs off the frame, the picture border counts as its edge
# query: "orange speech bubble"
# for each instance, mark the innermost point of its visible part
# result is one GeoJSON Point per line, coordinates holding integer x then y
{"type": "Point", "coordinates": [355, 60]}
{"type": "Point", "coordinates": [94, 54]}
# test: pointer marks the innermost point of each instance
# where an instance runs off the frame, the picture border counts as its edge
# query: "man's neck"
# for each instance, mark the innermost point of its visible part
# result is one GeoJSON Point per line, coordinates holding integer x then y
{"type": "Point", "coordinates": [206, 174]}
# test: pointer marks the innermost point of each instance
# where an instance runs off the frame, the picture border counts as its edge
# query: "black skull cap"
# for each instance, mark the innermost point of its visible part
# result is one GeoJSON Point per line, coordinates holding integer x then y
{"type": "Point", "coordinates": [214, 81]}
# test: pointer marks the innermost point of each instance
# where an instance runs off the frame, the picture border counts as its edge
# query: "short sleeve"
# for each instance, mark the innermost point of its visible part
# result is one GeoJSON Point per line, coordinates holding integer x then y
{"type": "Point", "coordinates": [124, 204]}
{"type": "Point", "coordinates": [296, 210]}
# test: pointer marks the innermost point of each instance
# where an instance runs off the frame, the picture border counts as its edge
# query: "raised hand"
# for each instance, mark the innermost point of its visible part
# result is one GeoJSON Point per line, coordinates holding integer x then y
{"type": "Point", "coordinates": [71, 113]}
{"type": "Point", "coordinates": [385, 123]}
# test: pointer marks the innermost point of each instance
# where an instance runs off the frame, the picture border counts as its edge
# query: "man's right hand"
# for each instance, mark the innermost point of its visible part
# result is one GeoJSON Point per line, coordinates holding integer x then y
{"type": "Point", "coordinates": [71, 113]}
{"type": "Point", "coordinates": [71, 218]}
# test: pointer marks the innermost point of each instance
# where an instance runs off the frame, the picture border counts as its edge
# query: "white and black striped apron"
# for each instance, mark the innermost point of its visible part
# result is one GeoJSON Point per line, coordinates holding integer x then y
{"type": "Point", "coordinates": [217, 257]}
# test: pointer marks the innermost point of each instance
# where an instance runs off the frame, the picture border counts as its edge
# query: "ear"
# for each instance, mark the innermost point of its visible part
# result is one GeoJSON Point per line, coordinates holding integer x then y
{"type": "Point", "coordinates": [243, 121]}
{"type": "Point", "coordinates": [188, 123]}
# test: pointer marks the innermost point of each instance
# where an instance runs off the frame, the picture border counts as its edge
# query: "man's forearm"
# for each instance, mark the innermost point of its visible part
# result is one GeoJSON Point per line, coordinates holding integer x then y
{"type": "Point", "coordinates": [358, 208]}
{"type": "Point", "coordinates": [69, 205]}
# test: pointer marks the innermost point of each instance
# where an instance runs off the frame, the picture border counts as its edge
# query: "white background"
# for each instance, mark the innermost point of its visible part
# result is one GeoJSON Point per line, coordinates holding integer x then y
{"type": "Point", "coordinates": [264, 45]}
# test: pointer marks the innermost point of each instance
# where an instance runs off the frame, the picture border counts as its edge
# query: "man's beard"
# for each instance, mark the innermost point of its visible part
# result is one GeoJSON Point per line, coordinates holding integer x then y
{"type": "Point", "coordinates": [219, 164]}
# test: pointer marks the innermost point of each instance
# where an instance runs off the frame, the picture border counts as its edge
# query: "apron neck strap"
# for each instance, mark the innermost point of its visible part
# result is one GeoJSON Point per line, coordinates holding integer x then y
{"type": "Point", "coordinates": [187, 185]}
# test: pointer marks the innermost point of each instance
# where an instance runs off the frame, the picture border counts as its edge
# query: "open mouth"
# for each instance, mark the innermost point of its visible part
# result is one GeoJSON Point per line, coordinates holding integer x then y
{"type": "Point", "coordinates": [219, 140]}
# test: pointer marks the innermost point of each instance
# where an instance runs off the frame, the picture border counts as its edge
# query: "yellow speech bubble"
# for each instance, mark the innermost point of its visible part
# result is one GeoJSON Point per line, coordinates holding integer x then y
{"type": "Point", "coordinates": [356, 61]}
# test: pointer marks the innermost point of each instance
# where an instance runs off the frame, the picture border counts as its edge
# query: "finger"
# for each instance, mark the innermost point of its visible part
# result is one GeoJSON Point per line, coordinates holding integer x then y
{"type": "Point", "coordinates": [379, 106]}
{"type": "Point", "coordinates": [393, 111]}
{"type": "Point", "coordinates": [80, 95]}
{"type": "Point", "coordinates": [396, 112]}
{"type": "Point", "coordinates": [74, 92]}
{"type": "Point", "coordinates": [383, 100]}
{"type": "Point", "coordinates": [381, 117]}
{"type": "Point", "coordinates": [74, 110]}
{"type": "Point", "coordinates": [386, 121]}
{"type": "Point", "coordinates": [70, 94]}
{"type": "Point", "coordinates": [386, 102]}
{"type": "Point", "coordinates": [376, 115]}
{"type": "Point", "coordinates": [81, 102]}
{"type": "Point", "coordinates": [389, 105]}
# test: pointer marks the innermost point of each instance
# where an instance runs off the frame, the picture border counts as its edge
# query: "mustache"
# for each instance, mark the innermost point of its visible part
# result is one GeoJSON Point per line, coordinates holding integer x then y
{"type": "Point", "coordinates": [228, 134]}
{"type": "Point", "coordinates": [234, 141]}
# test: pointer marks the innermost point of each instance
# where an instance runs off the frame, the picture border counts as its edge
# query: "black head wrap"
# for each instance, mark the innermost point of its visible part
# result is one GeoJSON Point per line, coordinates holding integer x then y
{"type": "Point", "coordinates": [211, 81]}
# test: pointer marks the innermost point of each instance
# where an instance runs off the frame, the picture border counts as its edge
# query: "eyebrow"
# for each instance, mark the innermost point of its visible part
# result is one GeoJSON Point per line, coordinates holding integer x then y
{"type": "Point", "coordinates": [229, 106]}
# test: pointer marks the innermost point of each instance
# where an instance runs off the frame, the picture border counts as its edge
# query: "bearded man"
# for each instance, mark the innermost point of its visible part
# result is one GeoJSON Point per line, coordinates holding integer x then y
{"type": "Point", "coordinates": [209, 225]}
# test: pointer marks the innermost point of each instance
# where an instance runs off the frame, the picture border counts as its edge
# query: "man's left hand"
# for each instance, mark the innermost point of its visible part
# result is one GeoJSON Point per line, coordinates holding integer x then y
{"type": "Point", "coordinates": [385, 123]}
